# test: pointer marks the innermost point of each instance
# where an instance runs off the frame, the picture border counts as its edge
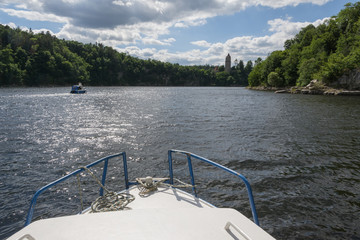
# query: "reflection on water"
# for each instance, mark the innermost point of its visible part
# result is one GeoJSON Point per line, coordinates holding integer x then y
{"type": "Point", "coordinates": [300, 153]}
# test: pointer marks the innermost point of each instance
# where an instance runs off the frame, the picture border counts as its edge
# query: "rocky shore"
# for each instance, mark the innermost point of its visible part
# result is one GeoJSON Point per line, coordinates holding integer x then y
{"type": "Point", "coordinates": [347, 85]}
{"type": "Point", "coordinates": [314, 88]}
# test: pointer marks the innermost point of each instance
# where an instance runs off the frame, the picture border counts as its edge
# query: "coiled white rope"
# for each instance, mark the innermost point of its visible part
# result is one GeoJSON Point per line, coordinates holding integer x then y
{"type": "Point", "coordinates": [110, 201]}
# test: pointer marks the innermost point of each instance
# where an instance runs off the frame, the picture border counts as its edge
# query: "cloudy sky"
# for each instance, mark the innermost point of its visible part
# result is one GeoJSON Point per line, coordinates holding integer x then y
{"type": "Point", "coordinates": [188, 32]}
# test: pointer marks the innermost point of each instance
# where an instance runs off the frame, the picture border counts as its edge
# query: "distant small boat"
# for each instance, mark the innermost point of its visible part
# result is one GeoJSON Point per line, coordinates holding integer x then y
{"type": "Point", "coordinates": [78, 89]}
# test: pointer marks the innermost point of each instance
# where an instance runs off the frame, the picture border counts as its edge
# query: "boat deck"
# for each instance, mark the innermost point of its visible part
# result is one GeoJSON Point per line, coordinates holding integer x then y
{"type": "Point", "coordinates": [165, 214]}
{"type": "Point", "coordinates": [166, 197]}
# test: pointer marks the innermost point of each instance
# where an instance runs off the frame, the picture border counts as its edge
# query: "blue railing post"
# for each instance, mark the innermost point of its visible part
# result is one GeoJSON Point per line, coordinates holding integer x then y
{"type": "Point", "coordinates": [104, 176]}
{"type": "Point", "coordinates": [251, 200]}
{"type": "Point", "coordinates": [171, 173]}
{"type": "Point", "coordinates": [126, 176]}
{"type": "Point", "coordinates": [191, 174]}
{"type": "Point", "coordinates": [31, 208]}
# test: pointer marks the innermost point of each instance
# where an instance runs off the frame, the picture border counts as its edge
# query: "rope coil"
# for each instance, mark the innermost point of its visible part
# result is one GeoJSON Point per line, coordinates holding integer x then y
{"type": "Point", "coordinates": [148, 185]}
{"type": "Point", "coordinates": [111, 201]}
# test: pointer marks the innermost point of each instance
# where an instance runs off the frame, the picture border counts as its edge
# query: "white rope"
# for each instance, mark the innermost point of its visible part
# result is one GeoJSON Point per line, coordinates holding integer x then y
{"type": "Point", "coordinates": [111, 201]}
{"type": "Point", "coordinates": [148, 185]}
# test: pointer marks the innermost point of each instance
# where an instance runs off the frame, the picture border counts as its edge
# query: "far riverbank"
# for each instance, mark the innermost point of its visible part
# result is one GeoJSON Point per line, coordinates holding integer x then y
{"type": "Point", "coordinates": [313, 88]}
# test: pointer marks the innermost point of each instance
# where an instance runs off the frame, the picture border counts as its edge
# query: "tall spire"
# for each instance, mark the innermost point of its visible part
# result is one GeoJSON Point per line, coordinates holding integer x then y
{"type": "Point", "coordinates": [228, 63]}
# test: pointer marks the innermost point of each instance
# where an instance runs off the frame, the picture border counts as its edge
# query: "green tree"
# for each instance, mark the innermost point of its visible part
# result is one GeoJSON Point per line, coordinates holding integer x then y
{"type": "Point", "coordinates": [10, 74]}
{"type": "Point", "coordinates": [306, 71]}
{"type": "Point", "coordinates": [255, 76]}
{"type": "Point", "coordinates": [222, 78]}
{"type": "Point", "coordinates": [275, 80]}
{"type": "Point", "coordinates": [290, 66]}
{"type": "Point", "coordinates": [248, 68]}
{"type": "Point", "coordinates": [348, 17]}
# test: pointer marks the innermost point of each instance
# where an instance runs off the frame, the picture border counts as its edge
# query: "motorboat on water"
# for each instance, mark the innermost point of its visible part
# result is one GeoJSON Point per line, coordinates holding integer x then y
{"type": "Point", "coordinates": [148, 208]}
{"type": "Point", "coordinates": [78, 89]}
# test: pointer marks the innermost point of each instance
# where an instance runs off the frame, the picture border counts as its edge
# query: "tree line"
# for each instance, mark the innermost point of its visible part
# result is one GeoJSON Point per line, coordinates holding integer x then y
{"type": "Point", "coordinates": [28, 59]}
{"type": "Point", "coordinates": [325, 52]}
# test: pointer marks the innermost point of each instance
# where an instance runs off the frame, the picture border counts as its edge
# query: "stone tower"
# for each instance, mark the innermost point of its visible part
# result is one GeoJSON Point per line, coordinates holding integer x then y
{"type": "Point", "coordinates": [228, 63]}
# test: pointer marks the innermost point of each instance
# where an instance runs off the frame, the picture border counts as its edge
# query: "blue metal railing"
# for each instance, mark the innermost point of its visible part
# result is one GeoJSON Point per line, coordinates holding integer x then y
{"type": "Point", "coordinates": [189, 157]}
{"type": "Point", "coordinates": [101, 192]}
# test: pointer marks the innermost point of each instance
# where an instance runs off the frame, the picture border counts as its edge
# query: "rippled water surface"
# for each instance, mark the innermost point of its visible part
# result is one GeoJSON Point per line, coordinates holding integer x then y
{"type": "Point", "coordinates": [300, 153]}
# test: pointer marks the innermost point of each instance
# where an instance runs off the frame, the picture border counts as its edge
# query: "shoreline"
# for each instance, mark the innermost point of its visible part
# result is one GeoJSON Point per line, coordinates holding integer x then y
{"type": "Point", "coordinates": [310, 90]}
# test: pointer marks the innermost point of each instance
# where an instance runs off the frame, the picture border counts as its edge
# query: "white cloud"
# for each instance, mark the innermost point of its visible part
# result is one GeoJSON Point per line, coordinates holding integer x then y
{"type": "Point", "coordinates": [151, 41]}
{"type": "Point", "coordinates": [283, 3]}
{"type": "Point", "coordinates": [122, 3]}
{"type": "Point", "coordinates": [125, 35]}
{"type": "Point", "coordinates": [201, 43]}
{"type": "Point", "coordinates": [21, 6]}
{"type": "Point", "coordinates": [11, 24]}
{"type": "Point", "coordinates": [190, 23]}
{"type": "Point", "coordinates": [33, 5]}
{"type": "Point", "coordinates": [145, 33]}
{"type": "Point", "coordinates": [34, 16]}
{"type": "Point", "coordinates": [42, 30]}
{"type": "Point", "coordinates": [291, 28]}
{"type": "Point", "coordinates": [74, 1]}
{"type": "Point", "coordinates": [170, 40]}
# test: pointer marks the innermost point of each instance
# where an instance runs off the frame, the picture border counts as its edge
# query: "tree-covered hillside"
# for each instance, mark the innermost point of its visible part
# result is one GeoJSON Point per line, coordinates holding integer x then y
{"type": "Point", "coordinates": [325, 53]}
{"type": "Point", "coordinates": [28, 59]}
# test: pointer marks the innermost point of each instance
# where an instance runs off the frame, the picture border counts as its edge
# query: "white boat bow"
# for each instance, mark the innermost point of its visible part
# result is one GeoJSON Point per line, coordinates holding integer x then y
{"type": "Point", "coordinates": [162, 213]}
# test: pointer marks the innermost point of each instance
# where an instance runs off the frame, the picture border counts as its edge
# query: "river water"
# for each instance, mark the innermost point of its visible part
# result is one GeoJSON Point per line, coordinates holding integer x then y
{"type": "Point", "coordinates": [300, 153]}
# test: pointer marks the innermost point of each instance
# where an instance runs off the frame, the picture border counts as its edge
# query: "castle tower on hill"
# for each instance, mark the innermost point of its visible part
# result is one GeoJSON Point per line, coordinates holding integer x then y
{"type": "Point", "coordinates": [228, 63]}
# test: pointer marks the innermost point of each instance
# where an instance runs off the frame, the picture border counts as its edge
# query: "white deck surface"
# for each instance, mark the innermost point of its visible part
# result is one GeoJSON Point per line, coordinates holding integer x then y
{"type": "Point", "coordinates": [166, 214]}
